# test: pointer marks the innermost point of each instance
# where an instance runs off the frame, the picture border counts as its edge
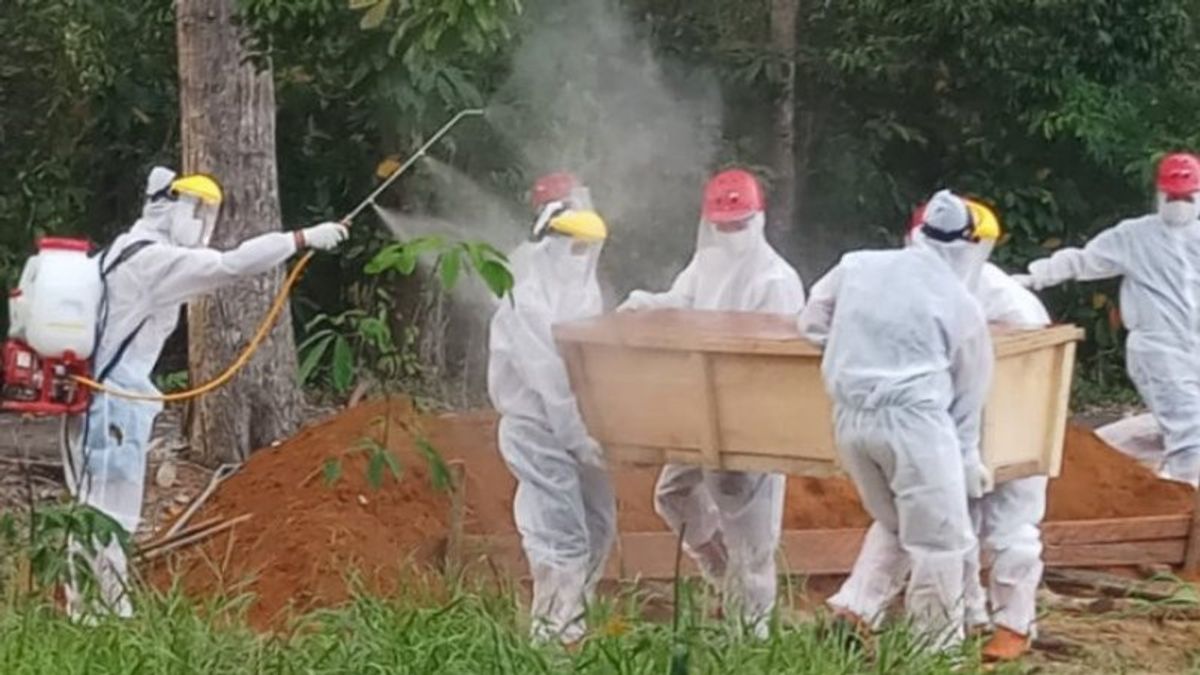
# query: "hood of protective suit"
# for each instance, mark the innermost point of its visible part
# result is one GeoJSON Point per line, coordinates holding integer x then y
{"type": "Point", "coordinates": [176, 222]}
{"type": "Point", "coordinates": [562, 272]}
{"type": "Point", "coordinates": [946, 212]}
{"type": "Point", "coordinates": [1178, 212]}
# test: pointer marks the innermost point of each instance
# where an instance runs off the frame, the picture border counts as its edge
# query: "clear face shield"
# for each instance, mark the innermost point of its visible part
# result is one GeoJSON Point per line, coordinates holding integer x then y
{"type": "Point", "coordinates": [193, 222]}
{"type": "Point", "coordinates": [574, 259]}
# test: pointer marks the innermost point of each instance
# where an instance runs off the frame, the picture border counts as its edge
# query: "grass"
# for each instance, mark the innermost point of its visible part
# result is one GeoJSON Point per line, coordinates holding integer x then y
{"type": "Point", "coordinates": [468, 632]}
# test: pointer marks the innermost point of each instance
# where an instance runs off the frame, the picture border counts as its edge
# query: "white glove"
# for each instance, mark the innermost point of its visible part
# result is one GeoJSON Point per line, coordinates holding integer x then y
{"type": "Point", "coordinates": [590, 454]}
{"type": "Point", "coordinates": [979, 480]}
{"type": "Point", "coordinates": [323, 237]}
{"type": "Point", "coordinates": [1025, 280]}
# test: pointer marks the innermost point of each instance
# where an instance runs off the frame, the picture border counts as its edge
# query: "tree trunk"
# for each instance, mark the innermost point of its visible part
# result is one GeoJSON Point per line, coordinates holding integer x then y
{"type": "Point", "coordinates": [227, 121]}
{"type": "Point", "coordinates": [782, 222]}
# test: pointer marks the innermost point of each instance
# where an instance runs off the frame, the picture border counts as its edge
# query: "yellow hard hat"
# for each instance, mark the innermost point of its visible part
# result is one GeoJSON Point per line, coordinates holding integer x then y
{"type": "Point", "coordinates": [200, 186]}
{"type": "Point", "coordinates": [985, 224]}
{"type": "Point", "coordinates": [582, 225]}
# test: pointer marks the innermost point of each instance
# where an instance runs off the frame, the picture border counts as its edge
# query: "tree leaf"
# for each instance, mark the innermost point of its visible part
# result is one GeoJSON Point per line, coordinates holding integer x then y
{"type": "Point", "coordinates": [393, 464]}
{"type": "Point", "coordinates": [362, 4]}
{"type": "Point", "coordinates": [343, 365]}
{"type": "Point", "coordinates": [439, 473]}
{"type": "Point", "coordinates": [332, 470]}
{"type": "Point", "coordinates": [375, 465]}
{"type": "Point", "coordinates": [449, 265]}
{"type": "Point", "coordinates": [497, 277]}
{"type": "Point", "coordinates": [312, 358]}
{"type": "Point", "coordinates": [375, 16]}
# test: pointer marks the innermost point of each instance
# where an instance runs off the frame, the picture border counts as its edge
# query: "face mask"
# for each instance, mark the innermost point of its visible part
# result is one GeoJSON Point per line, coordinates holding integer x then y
{"type": "Point", "coordinates": [188, 230]}
{"type": "Point", "coordinates": [1178, 212]}
{"type": "Point", "coordinates": [736, 242]}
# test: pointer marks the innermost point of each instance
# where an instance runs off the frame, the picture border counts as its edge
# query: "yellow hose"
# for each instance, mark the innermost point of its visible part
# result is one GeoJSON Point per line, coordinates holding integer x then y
{"type": "Point", "coordinates": [264, 329]}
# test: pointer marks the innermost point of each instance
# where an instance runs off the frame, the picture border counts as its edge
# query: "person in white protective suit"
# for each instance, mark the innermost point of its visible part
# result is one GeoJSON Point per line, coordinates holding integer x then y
{"type": "Point", "coordinates": [730, 520]}
{"type": "Point", "coordinates": [908, 363]}
{"type": "Point", "coordinates": [1006, 520]}
{"type": "Point", "coordinates": [564, 507]}
{"type": "Point", "coordinates": [148, 272]}
{"type": "Point", "coordinates": [1158, 258]}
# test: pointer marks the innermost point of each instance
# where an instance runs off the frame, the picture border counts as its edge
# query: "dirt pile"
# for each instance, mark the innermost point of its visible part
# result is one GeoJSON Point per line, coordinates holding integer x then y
{"type": "Point", "coordinates": [305, 536]}
{"type": "Point", "coordinates": [1099, 482]}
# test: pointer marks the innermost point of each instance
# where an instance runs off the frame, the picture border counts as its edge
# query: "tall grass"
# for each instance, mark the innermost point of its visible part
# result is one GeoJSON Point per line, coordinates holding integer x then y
{"type": "Point", "coordinates": [468, 632]}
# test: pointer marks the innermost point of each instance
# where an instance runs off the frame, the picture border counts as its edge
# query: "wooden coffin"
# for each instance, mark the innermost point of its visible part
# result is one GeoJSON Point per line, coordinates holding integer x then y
{"type": "Point", "coordinates": [744, 392]}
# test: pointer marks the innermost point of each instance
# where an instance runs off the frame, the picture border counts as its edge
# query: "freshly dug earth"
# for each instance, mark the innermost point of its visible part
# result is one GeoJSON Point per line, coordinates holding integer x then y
{"type": "Point", "coordinates": [307, 538]}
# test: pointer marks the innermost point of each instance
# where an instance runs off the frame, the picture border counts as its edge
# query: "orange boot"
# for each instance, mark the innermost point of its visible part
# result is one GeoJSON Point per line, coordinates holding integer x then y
{"type": "Point", "coordinates": [1005, 645]}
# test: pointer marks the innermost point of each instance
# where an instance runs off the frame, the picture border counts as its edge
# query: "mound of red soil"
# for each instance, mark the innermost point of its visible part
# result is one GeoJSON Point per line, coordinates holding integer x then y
{"type": "Point", "coordinates": [1099, 482]}
{"type": "Point", "coordinates": [306, 538]}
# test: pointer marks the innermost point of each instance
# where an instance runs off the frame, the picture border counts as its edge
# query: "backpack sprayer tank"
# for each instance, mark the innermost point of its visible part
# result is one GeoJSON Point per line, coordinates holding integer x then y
{"type": "Point", "coordinates": [52, 330]}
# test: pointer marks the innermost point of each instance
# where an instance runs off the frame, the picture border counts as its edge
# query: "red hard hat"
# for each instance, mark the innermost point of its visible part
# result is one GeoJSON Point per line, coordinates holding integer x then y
{"type": "Point", "coordinates": [1179, 174]}
{"type": "Point", "coordinates": [553, 187]}
{"type": "Point", "coordinates": [732, 196]}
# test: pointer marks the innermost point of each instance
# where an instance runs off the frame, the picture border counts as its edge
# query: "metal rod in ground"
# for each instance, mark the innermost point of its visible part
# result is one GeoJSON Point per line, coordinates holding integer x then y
{"type": "Point", "coordinates": [224, 471]}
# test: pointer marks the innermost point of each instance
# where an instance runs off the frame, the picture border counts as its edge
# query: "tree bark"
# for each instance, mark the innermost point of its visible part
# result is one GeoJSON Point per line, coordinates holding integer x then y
{"type": "Point", "coordinates": [782, 221]}
{"type": "Point", "coordinates": [227, 120]}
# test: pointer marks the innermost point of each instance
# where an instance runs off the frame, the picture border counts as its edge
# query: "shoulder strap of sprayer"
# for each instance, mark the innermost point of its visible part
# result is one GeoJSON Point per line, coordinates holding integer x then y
{"type": "Point", "coordinates": [106, 269]}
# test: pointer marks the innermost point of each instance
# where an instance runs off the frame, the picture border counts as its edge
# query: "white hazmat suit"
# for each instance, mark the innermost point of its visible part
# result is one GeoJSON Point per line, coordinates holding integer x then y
{"type": "Point", "coordinates": [908, 362]}
{"type": "Point", "coordinates": [143, 295]}
{"type": "Point", "coordinates": [730, 520]}
{"type": "Point", "coordinates": [1006, 521]}
{"type": "Point", "coordinates": [1160, 268]}
{"type": "Point", "coordinates": [564, 507]}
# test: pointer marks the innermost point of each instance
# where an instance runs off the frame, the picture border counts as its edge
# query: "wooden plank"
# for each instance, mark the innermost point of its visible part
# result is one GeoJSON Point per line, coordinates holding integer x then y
{"type": "Point", "coordinates": [1003, 474]}
{"type": "Point", "coordinates": [1100, 531]}
{"type": "Point", "coordinates": [710, 435]}
{"type": "Point", "coordinates": [1191, 562]}
{"type": "Point", "coordinates": [651, 555]}
{"type": "Point", "coordinates": [1008, 341]}
{"type": "Point", "coordinates": [751, 333]}
{"type": "Point", "coordinates": [1057, 431]}
{"type": "Point", "coordinates": [1163, 551]}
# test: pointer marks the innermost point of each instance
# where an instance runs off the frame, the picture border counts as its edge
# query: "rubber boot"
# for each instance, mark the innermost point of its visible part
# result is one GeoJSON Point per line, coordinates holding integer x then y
{"type": "Point", "coordinates": [1005, 645]}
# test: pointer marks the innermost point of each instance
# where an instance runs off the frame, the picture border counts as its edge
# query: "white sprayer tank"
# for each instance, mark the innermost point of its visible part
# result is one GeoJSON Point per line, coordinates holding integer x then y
{"type": "Point", "coordinates": [60, 295]}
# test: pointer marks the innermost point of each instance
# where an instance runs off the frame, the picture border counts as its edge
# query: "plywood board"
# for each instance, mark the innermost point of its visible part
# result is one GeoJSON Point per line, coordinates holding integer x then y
{"type": "Point", "coordinates": [744, 391]}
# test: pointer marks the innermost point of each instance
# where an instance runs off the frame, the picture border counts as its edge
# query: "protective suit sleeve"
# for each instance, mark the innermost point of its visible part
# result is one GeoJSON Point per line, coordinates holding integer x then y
{"type": "Point", "coordinates": [681, 295]}
{"type": "Point", "coordinates": [176, 274]}
{"type": "Point", "coordinates": [971, 372]}
{"type": "Point", "coordinates": [817, 315]}
{"type": "Point", "coordinates": [544, 371]}
{"type": "Point", "coordinates": [1101, 258]}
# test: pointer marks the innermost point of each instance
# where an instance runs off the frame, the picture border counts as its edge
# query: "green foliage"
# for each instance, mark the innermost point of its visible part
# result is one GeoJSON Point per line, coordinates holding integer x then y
{"type": "Point", "coordinates": [425, 632]}
{"type": "Point", "coordinates": [56, 540]}
{"type": "Point", "coordinates": [439, 473]}
{"type": "Point", "coordinates": [341, 348]}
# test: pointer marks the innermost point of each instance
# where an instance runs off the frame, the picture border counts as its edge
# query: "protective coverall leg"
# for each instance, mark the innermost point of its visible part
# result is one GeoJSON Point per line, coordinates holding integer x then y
{"type": "Point", "coordinates": [110, 477]}
{"type": "Point", "coordinates": [566, 514]}
{"type": "Point", "coordinates": [1173, 395]}
{"type": "Point", "coordinates": [908, 469]}
{"type": "Point", "coordinates": [1010, 536]}
{"type": "Point", "coordinates": [731, 522]}
{"type": "Point", "coordinates": [878, 576]}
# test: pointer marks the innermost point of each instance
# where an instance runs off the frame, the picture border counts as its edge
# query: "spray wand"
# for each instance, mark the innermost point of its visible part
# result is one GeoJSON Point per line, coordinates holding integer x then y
{"type": "Point", "coordinates": [268, 322]}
